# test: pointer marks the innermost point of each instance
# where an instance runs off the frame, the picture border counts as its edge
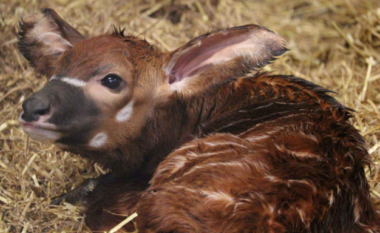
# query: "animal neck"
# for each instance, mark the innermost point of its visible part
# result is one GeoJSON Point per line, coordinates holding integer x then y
{"type": "Point", "coordinates": [242, 103]}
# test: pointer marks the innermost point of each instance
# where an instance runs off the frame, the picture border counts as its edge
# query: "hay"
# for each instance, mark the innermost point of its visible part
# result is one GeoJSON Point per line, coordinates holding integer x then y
{"type": "Point", "coordinates": [333, 43]}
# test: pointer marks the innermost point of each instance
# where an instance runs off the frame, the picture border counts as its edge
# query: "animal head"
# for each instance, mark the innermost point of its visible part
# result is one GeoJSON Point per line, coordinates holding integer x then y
{"type": "Point", "coordinates": [103, 91]}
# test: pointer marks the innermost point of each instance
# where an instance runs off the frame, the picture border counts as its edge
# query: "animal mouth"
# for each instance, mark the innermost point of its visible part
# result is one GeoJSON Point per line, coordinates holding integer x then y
{"type": "Point", "coordinates": [40, 130]}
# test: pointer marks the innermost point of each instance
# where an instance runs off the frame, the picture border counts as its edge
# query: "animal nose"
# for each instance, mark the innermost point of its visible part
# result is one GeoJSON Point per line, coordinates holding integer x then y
{"type": "Point", "coordinates": [34, 108]}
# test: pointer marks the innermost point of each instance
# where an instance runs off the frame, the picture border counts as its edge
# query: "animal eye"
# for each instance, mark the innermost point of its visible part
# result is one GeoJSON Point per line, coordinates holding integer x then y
{"type": "Point", "coordinates": [112, 81]}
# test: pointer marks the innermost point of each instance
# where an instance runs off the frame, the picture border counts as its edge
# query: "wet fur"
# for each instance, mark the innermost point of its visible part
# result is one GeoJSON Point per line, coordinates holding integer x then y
{"type": "Point", "coordinates": [238, 151]}
{"type": "Point", "coordinates": [287, 162]}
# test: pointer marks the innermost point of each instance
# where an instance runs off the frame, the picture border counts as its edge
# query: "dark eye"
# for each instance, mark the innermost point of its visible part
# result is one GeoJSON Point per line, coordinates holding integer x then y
{"type": "Point", "coordinates": [112, 81]}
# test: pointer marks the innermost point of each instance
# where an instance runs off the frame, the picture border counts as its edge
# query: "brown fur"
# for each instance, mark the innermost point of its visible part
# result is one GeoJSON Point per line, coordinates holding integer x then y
{"type": "Point", "coordinates": [296, 168]}
{"type": "Point", "coordinates": [233, 150]}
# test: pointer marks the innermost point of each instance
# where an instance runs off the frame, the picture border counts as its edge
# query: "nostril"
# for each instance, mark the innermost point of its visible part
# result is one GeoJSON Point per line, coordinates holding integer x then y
{"type": "Point", "coordinates": [41, 112]}
{"type": "Point", "coordinates": [34, 108]}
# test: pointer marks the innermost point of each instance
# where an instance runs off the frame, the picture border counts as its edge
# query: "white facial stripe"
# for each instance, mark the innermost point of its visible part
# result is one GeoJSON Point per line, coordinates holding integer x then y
{"type": "Point", "coordinates": [53, 78]}
{"type": "Point", "coordinates": [98, 140]}
{"type": "Point", "coordinates": [72, 81]}
{"type": "Point", "coordinates": [125, 113]}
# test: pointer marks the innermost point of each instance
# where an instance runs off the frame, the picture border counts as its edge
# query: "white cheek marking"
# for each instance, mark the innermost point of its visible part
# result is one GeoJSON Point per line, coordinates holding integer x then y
{"type": "Point", "coordinates": [125, 113]}
{"type": "Point", "coordinates": [72, 81]}
{"type": "Point", "coordinates": [98, 140]}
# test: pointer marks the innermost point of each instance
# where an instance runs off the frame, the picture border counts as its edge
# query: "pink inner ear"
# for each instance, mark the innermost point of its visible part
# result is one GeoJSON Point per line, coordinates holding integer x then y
{"type": "Point", "coordinates": [259, 45]}
{"type": "Point", "coordinates": [212, 51]}
{"type": "Point", "coordinates": [55, 42]}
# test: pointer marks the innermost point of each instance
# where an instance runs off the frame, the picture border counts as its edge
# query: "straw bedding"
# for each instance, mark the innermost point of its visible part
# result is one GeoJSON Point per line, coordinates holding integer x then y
{"type": "Point", "coordinates": [335, 44]}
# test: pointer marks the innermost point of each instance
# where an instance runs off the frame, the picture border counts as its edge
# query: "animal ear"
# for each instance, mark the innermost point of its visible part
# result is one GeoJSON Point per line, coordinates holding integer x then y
{"type": "Point", "coordinates": [222, 55]}
{"type": "Point", "coordinates": [43, 38]}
